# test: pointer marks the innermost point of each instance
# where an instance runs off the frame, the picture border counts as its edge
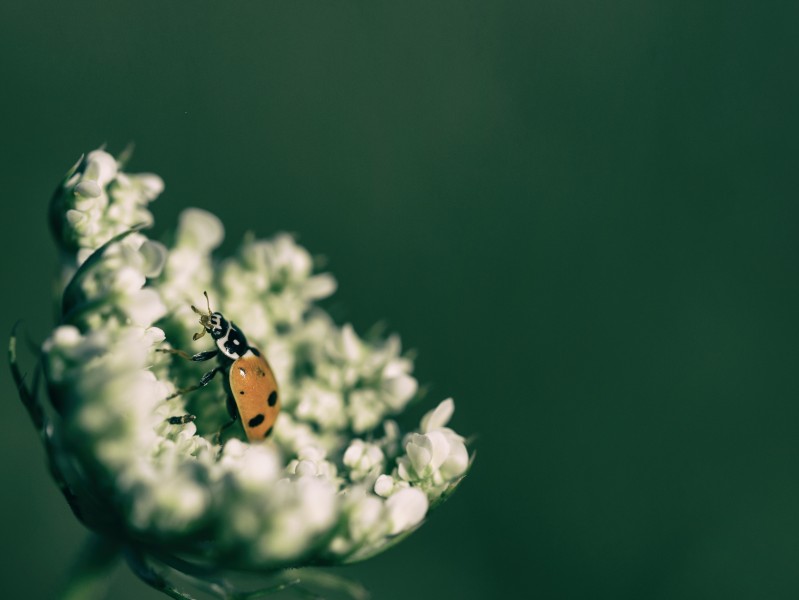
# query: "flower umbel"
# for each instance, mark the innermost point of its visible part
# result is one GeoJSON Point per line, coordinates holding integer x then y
{"type": "Point", "coordinates": [336, 482]}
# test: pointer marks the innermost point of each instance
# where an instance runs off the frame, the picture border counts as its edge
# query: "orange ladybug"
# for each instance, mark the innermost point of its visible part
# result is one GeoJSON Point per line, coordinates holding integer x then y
{"type": "Point", "coordinates": [252, 394]}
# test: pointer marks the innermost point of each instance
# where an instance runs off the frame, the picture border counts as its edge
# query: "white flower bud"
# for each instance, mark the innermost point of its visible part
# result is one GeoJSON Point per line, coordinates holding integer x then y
{"type": "Point", "coordinates": [406, 509]}
{"type": "Point", "coordinates": [101, 167]}
{"type": "Point", "coordinates": [154, 256]}
{"type": "Point", "coordinates": [364, 460]}
{"type": "Point", "coordinates": [384, 485]}
{"type": "Point", "coordinates": [200, 230]}
{"type": "Point", "coordinates": [439, 416]}
{"type": "Point", "coordinates": [88, 189]}
{"type": "Point", "coordinates": [434, 461]}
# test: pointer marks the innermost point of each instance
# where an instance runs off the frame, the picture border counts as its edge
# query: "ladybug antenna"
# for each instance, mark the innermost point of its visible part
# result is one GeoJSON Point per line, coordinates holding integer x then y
{"type": "Point", "coordinates": [205, 319]}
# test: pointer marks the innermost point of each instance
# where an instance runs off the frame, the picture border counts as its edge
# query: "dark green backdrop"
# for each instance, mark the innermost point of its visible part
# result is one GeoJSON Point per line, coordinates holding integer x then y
{"type": "Point", "coordinates": [582, 214]}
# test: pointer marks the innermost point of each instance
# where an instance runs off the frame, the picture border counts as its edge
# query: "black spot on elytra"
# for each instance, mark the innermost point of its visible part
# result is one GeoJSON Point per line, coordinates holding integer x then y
{"type": "Point", "coordinates": [268, 432]}
{"type": "Point", "coordinates": [241, 392]}
{"type": "Point", "coordinates": [256, 420]}
{"type": "Point", "coordinates": [272, 398]}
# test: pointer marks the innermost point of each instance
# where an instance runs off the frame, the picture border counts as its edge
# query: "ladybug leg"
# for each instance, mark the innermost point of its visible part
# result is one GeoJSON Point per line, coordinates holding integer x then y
{"type": "Point", "coordinates": [232, 409]}
{"type": "Point", "coordinates": [181, 420]}
{"type": "Point", "coordinates": [200, 356]}
{"type": "Point", "coordinates": [204, 380]}
{"type": "Point", "coordinates": [234, 416]}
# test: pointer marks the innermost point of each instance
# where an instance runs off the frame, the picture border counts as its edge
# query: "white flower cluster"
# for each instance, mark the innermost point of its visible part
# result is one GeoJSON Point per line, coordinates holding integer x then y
{"type": "Point", "coordinates": [271, 282]}
{"type": "Point", "coordinates": [434, 458]}
{"type": "Point", "coordinates": [312, 492]}
{"type": "Point", "coordinates": [98, 201]}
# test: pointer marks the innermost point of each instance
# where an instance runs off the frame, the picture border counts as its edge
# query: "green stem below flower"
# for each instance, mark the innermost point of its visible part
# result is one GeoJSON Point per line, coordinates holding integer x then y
{"type": "Point", "coordinates": [157, 572]}
{"type": "Point", "coordinates": [330, 582]}
{"type": "Point", "coordinates": [91, 575]}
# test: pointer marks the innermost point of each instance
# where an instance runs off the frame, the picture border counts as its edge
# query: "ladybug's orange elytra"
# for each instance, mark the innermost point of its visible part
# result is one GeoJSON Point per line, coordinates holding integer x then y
{"type": "Point", "coordinates": [254, 390]}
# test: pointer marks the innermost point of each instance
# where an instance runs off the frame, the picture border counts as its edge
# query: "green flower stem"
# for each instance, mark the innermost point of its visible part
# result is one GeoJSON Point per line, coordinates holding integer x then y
{"type": "Point", "coordinates": [91, 574]}
{"type": "Point", "coordinates": [138, 564]}
{"type": "Point", "coordinates": [220, 587]}
{"type": "Point", "coordinates": [36, 412]}
{"type": "Point", "coordinates": [329, 582]}
{"type": "Point", "coordinates": [28, 397]}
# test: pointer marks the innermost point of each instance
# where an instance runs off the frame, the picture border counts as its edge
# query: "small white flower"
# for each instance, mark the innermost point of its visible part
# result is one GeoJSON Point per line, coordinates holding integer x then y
{"type": "Point", "coordinates": [406, 509]}
{"type": "Point", "coordinates": [199, 230]}
{"type": "Point", "coordinates": [310, 462]}
{"type": "Point", "coordinates": [439, 416]}
{"type": "Point", "coordinates": [365, 461]}
{"type": "Point", "coordinates": [367, 524]}
{"type": "Point", "coordinates": [386, 485]}
{"type": "Point", "coordinates": [250, 467]}
{"type": "Point", "coordinates": [320, 405]}
{"type": "Point", "coordinates": [436, 459]}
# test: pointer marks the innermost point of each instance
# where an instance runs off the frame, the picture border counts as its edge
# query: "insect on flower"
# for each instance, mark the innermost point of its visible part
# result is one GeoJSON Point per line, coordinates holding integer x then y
{"type": "Point", "coordinates": [252, 393]}
{"type": "Point", "coordinates": [338, 481]}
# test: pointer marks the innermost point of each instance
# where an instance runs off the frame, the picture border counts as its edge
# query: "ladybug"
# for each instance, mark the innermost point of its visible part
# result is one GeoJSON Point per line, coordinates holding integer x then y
{"type": "Point", "coordinates": [252, 394]}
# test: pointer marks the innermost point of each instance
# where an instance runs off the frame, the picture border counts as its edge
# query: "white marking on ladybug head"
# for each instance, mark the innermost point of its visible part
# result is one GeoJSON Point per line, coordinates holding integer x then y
{"type": "Point", "coordinates": [215, 322]}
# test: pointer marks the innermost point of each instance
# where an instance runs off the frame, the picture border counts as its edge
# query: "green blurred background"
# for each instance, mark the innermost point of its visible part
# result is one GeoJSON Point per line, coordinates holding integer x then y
{"type": "Point", "coordinates": [583, 215]}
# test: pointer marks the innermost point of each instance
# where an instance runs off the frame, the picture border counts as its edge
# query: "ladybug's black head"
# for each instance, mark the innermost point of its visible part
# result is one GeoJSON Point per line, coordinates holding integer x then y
{"type": "Point", "coordinates": [212, 322]}
{"type": "Point", "coordinates": [216, 325]}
